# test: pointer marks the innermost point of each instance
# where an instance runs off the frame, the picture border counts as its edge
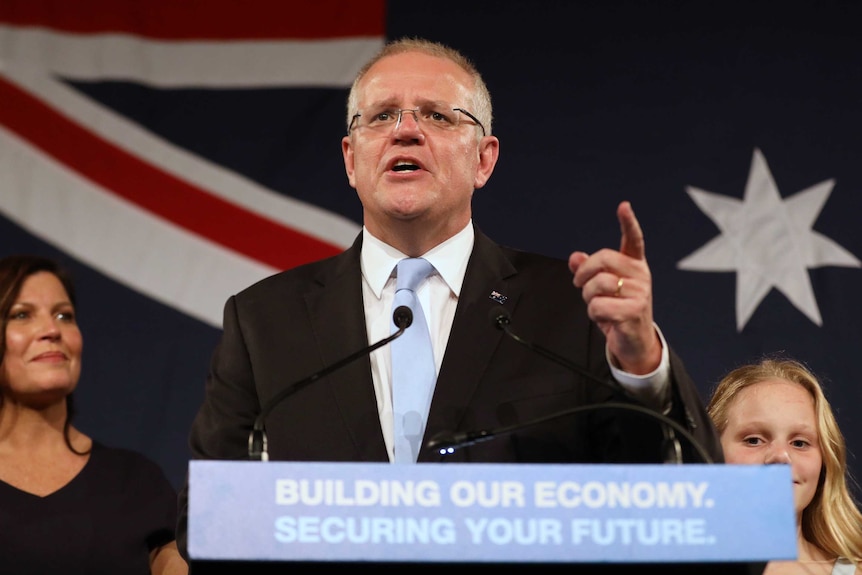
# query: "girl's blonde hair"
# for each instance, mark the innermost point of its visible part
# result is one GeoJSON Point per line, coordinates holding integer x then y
{"type": "Point", "coordinates": [832, 520]}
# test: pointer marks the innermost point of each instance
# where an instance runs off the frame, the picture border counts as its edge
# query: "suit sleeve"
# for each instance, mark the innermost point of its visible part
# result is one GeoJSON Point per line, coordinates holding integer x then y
{"type": "Point", "coordinates": [689, 410]}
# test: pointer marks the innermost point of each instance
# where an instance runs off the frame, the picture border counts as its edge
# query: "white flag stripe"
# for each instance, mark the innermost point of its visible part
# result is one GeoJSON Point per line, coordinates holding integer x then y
{"type": "Point", "coordinates": [113, 236]}
{"type": "Point", "coordinates": [210, 177]}
{"type": "Point", "coordinates": [222, 64]}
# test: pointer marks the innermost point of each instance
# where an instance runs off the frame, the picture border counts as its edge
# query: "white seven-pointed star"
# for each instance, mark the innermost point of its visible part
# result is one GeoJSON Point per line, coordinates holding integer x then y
{"type": "Point", "coordinates": [768, 241]}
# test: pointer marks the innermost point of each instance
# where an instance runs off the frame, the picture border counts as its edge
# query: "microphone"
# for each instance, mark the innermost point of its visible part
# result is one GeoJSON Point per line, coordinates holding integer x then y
{"type": "Point", "coordinates": [257, 442]}
{"type": "Point", "coordinates": [448, 442]}
{"type": "Point", "coordinates": [501, 319]}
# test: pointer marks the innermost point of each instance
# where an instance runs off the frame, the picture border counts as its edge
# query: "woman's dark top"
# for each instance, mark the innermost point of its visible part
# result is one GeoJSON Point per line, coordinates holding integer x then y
{"type": "Point", "coordinates": [106, 520]}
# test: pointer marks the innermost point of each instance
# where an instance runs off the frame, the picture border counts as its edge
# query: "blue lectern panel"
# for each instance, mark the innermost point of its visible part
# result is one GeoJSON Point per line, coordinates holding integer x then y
{"type": "Point", "coordinates": [292, 511]}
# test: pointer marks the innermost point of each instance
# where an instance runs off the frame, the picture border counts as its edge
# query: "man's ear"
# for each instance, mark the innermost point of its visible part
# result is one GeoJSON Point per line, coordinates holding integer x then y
{"type": "Point", "coordinates": [489, 151]}
{"type": "Point", "coordinates": [347, 154]}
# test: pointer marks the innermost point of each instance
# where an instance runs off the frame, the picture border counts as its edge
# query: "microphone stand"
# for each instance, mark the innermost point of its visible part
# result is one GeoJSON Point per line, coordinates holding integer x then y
{"type": "Point", "coordinates": [447, 442]}
{"type": "Point", "coordinates": [258, 448]}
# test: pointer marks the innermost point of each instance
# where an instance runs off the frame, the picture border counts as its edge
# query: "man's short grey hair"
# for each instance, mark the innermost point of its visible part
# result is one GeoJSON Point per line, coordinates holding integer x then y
{"type": "Point", "coordinates": [481, 105]}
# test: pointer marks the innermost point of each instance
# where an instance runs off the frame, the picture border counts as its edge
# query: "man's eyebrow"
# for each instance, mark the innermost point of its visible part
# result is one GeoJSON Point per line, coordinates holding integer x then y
{"type": "Point", "coordinates": [386, 103]}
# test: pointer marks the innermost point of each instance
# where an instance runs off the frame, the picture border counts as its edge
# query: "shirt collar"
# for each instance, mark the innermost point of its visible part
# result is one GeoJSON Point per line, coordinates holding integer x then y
{"type": "Point", "coordinates": [449, 258]}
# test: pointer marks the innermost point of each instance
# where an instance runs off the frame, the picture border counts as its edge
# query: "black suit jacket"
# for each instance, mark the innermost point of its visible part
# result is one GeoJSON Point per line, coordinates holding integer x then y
{"type": "Point", "coordinates": [293, 324]}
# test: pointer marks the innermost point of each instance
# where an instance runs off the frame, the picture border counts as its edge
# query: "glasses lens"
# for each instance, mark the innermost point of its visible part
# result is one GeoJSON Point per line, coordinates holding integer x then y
{"type": "Point", "coordinates": [381, 118]}
{"type": "Point", "coordinates": [432, 116]}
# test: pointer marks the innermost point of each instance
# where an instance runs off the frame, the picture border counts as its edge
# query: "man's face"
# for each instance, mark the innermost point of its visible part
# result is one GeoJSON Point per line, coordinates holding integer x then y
{"type": "Point", "coordinates": [412, 170]}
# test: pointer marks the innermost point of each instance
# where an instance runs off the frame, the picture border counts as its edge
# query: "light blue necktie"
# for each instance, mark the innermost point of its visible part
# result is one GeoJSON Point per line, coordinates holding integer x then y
{"type": "Point", "coordinates": [413, 369]}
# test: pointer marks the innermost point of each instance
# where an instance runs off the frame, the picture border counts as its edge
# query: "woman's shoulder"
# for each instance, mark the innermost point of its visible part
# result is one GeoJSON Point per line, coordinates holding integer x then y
{"type": "Point", "coordinates": [124, 461]}
{"type": "Point", "coordinates": [119, 453]}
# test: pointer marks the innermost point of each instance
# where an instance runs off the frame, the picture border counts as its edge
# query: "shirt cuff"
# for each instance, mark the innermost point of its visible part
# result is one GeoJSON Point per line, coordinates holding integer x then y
{"type": "Point", "coordinates": [653, 388]}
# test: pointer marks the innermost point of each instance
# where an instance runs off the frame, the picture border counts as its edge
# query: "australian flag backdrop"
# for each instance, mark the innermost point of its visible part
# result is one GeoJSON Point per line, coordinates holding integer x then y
{"type": "Point", "coordinates": [172, 152]}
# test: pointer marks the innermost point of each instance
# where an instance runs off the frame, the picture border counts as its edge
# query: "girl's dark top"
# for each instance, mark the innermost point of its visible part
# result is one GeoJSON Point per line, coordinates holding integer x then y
{"type": "Point", "coordinates": [105, 521]}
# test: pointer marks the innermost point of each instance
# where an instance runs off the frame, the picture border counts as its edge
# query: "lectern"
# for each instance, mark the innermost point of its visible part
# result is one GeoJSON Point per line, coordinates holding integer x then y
{"type": "Point", "coordinates": [276, 517]}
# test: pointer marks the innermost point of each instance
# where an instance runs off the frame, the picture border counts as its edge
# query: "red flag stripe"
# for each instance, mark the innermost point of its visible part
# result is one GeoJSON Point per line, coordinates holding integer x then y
{"type": "Point", "coordinates": [192, 208]}
{"type": "Point", "coordinates": [204, 19]}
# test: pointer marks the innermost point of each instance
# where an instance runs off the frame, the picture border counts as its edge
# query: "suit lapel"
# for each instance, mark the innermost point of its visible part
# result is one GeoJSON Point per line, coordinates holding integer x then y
{"type": "Point", "coordinates": [470, 348]}
{"type": "Point", "coordinates": [336, 312]}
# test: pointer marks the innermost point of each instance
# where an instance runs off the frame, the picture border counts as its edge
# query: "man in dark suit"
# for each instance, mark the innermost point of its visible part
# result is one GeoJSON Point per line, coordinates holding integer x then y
{"type": "Point", "coordinates": [419, 143]}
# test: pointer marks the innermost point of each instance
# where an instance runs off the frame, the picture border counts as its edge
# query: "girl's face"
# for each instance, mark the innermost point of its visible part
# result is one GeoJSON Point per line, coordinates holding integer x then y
{"type": "Point", "coordinates": [773, 421]}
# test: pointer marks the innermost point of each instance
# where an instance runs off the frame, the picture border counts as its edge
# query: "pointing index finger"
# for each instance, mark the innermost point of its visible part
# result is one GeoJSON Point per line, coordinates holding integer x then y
{"type": "Point", "coordinates": [632, 241]}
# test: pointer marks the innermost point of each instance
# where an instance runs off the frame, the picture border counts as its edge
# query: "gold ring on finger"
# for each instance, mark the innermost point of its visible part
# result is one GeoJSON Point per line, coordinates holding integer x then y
{"type": "Point", "coordinates": [618, 293]}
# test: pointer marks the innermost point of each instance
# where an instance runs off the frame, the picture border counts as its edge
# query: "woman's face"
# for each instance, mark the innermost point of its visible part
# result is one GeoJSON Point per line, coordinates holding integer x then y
{"type": "Point", "coordinates": [42, 363]}
{"type": "Point", "coordinates": [773, 421]}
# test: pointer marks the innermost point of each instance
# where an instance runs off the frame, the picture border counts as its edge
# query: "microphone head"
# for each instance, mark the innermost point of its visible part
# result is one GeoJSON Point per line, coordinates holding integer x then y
{"type": "Point", "coordinates": [447, 442]}
{"type": "Point", "coordinates": [500, 317]}
{"type": "Point", "coordinates": [444, 443]}
{"type": "Point", "coordinates": [403, 317]}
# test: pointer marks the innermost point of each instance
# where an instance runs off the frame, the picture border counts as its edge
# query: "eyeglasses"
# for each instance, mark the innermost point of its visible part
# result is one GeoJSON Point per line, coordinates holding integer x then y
{"type": "Point", "coordinates": [436, 118]}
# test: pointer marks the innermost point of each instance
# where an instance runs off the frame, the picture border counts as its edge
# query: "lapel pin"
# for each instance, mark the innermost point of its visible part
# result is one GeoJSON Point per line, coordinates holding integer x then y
{"type": "Point", "coordinates": [498, 297]}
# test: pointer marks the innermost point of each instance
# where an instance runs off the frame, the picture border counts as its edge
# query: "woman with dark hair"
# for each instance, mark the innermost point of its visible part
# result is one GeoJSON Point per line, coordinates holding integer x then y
{"type": "Point", "coordinates": [68, 504]}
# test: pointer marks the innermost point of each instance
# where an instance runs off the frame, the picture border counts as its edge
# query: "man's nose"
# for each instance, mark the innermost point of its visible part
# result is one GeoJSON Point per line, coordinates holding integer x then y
{"type": "Point", "coordinates": [407, 126]}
